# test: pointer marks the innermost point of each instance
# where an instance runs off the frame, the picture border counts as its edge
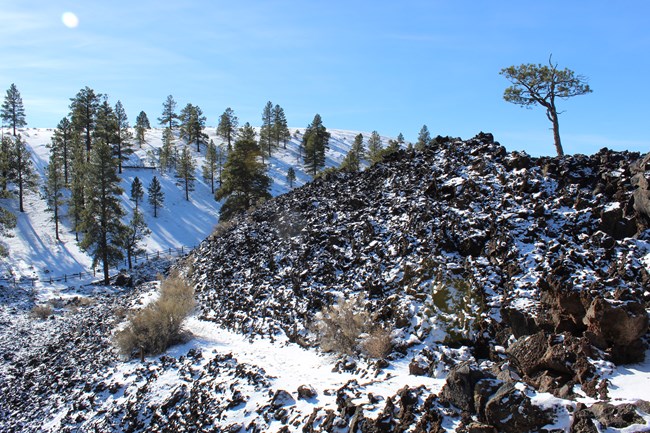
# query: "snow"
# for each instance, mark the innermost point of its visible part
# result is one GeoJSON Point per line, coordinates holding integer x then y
{"type": "Point", "coordinates": [629, 383]}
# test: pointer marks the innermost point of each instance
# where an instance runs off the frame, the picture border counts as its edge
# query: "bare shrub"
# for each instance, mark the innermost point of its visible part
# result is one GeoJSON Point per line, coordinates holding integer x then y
{"type": "Point", "coordinates": [346, 327]}
{"type": "Point", "coordinates": [157, 326]}
{"type": "Point", "coordinates": [378, 343]}
{"type": "Point", "coordinates": [42, 311]}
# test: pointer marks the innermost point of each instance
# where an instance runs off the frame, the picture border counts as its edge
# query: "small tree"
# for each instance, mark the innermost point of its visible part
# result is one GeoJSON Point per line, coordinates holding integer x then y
{"type": "Point", "coordinates": [424, 138]}
{"type": "Point", "coordinates": [315, 142]}
{"type": "Point", "coordinates": [280, 128]}
{"type": "Point", "coordinates": [135, 231]}
{"type": "Point", "coordinates": [267, 143]}
{"type": "Point", "coordinates": [137, 191]}
{"type": "Point", "coordinates": [227, 128]}
{"type": "Point", "coordinates": [13, 111]}
{"type": "Point", "coordinates": [375, 148]}
{"type": "Point", "coordinates": [141, 126]}
{"type": "Point", "coordinates": [83, 113]}
{"type": "Point", "coordinates": [210, 166]}
{"type": "Point", "coordinates": [169, 118]}
{"type": "Point", "coordinates": [166, 156]}
{"type": "Point", "coordinates": [123, 147]}
{"type": "Point", "coordinates": [185, 171]}
{"type": "Point", "coordinates": [22, 169]}
{"type": "Point", "coordinates": [541, 84]}
{"type": "Point", "coordinates": [352, 160]}
{"type": "Point", "coordinates": [291, 176]}
{"type": "Point", "coordinates": [54, 187]}
{"type": "Point", "coordinates": [156, 195]}
{"type": "Point", "coordinates": [62, 145]}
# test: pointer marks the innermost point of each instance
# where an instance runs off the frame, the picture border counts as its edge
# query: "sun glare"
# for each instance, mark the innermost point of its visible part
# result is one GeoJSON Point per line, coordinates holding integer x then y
{"type": "Point", "coordinates": [70, 20]}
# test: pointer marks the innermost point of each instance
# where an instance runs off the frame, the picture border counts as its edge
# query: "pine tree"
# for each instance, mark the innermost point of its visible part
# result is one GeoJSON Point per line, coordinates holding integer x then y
{"type": "Point", "coordinates": [22, 169]}
{"type": "Point", "coordinates": [424, 138]}
{"type": "Point", "coordinates": [192, 125]}
{"type": "Point", "coordinates": [352, 160]}
{"type": "Point", "coordinates": [134, 232]}
{"type": "Point", "coordinates": [101, 219]}
{"type": "Point", "coordinates": [141, 126]}
{"type": "Point", "coordinates": [315, 143]}
{"type": "Point", "coordinates": [374, 148]}
{"type": "Point", "coordinates": [62, 145]}
{"type": "Point", "coordinates": [210, 165]}
{"type": "Point", "coordinates": [54, 187]}
{"type": "Point", "coordinates": [400, 139]}
{"type": "Point", "coordinates": [166, 157]}
{"type": "Point", "coordinates": [267, 142]}
{"type": "Point", "coordinates": [227, 128]}
{"type": "Point", "coordinates": [185, 171]}
{"type": "Point", "coordinates": [291, 176]}
{"type": "Point", "coordinates": [221, 160]}
{"type": "Point", "coordinates": [169, 116]}
{"type": "Point", "coordinates": [245, 182]}
{"type": "Point", "coordinates": [156, 195]}
{"type": "Point", "coordinates": [83, 113]}
{"type": "Point", "coordinates": [137, 192]}
{"type": "Point", "coordinates": [280, 129]}
{"type": "Point", "coordinates": [13, 111]}
{"type": "Point", "coordinates": [76, 204]}
{"type": "Point", "coordinates": [123, 147]}
{"type": "Point", "coordinates": [6, 159]}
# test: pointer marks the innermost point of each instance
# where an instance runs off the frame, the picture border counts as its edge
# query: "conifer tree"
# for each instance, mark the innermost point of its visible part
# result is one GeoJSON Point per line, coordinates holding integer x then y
{"type": "Point", "coordinates": [267, 142]}
{"type": "Point", "coordinates": [374, 148]}
{"type": "Point", "coordinates": [62, 145]}
{"type": "Point", "coordinates": [167, 153]}
{"type": "Point", "coordinates": [22, 169]}
{"type": "Point", "coordinates": [291, 176]}
{"type": "Point", "coordinates": [245, 182]}
{"type": "Point", "coordinates": [83, 113]}
{"type": "Point", "coordinates": [156, 195]}
{"type": "Point", "coordinates": [79, 163]}
{"type": "Point", "coordinates": [169, 116]}
{"type": "Point", "coordinates": [6, 160]}
{"type": "Point", "coordinates": [134, 232]}
{"type": "Point", "coordinates": [227, 128]}
{"type": "Point", "coordinates": [123, 147]}
{"type": "Point", "coordinates": [101, 218]}
{"type": "Point", "coordinates": [192, 125]}
{"type": "Point", "coordinates": [137, 191]}
{"type": "Point", "coordinates": [352, 160]}
{"type": "Point", "coordinates": [13, 111]}
{"type": "Point", "coordinates": [280, 128]}
{"type": "Point", "coordinates": [400, 139]}
{"type": "Point", "coordinates": [185, 171]}
{"type": "Point", "coordinates": [221, 160]}
{"type": "Point", "coordinates": [315, 142]}
{"type": "Point", "coordinates": [424, 138]}
{"type": "Point", "coordinates": [54, 187]}
{"type": "Point", "coordinates": [141, 126]}
{"type": "Point", "coordinates": [210, 165]}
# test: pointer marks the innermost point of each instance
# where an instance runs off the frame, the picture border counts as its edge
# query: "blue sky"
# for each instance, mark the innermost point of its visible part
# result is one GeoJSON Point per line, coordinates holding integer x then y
{"type": "Point", "coordinates": [389, 66]}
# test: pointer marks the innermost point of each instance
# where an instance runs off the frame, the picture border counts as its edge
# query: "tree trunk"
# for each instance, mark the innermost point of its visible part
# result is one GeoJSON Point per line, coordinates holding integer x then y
{"type": "Point", "coordinates": [552, 115]}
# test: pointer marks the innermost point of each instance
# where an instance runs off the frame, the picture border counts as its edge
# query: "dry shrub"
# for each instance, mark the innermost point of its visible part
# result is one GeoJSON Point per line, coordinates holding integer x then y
{"type": "Point", "coordinates": [41, 311]}
{"type": "Point", "coordinates": [157, 326]}
{"type": "Point", "coordinates": [378, 344]}
{"type": "Point", "coordinates": [346, 327]}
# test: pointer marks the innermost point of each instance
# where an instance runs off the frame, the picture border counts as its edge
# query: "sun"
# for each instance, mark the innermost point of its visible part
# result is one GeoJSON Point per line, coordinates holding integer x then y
{"type": "Point", "coordinates": [70, 20]}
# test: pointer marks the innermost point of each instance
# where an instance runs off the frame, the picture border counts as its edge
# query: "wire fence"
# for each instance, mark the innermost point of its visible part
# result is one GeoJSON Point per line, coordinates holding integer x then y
{"type": "Point", "coordinates": [47, 278]}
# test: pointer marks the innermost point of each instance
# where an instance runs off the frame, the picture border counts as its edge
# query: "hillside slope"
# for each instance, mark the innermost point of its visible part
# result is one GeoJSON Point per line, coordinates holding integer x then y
{"type": "Point", "coordinates": [515, 289]}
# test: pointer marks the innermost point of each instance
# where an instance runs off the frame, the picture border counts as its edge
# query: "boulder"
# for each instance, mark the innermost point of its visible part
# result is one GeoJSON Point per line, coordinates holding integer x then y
{"type": "Point", "coordinates": [460, 384]}
{"type": "Point", "coordinates": [511, 411]}
{"type": "Point", "coordinates": [306, 392]}
{"type": "Point", "coordinates": [282, 398]}
{"type": "Point", "coordinates": [618, 327]}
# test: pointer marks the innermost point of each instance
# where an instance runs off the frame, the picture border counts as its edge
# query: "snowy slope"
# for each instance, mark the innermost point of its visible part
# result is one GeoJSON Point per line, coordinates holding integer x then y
{"type": "Point", "coordinates": [35, 253]}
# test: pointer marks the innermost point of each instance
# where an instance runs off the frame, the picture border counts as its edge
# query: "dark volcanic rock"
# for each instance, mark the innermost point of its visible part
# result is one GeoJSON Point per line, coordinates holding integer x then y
{"type": "Point", "coordinates": [511, 411]}
{"type": "Point", "coordinates": [460, 384]}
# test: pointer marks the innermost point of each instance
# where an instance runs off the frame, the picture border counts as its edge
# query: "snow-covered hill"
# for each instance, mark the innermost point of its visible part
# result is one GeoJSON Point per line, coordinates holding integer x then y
{"type": "Point", "coordinates": [35, 253]}
{"type": "Point", "coordinates": [515, 289]}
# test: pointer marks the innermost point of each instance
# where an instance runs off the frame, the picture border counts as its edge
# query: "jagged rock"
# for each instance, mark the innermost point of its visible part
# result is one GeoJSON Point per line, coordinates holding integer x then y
{"type": "Point", "coordinates": [616, 416]}
{"type": "Point", "coordinates": [519, 321]}
{"type": "Point", "coordinates": [460, 383]}
{"type": "Point", "coordinates": [527, 352]}
{"type": "Point", "coordinates": [619, 327]}
{"type": "Point", "coordinates": [123, 280]}
{"type": "Point", "coordinates": [511, 411]}
{"type": "Point", "coordinates": [306, 392]}
{"type": "Point", "coordinates": [282, 398]}
{"type": "Point", "coordinates": [419, 366]}
{"type": "Point", "coordinates": [477, 427]}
